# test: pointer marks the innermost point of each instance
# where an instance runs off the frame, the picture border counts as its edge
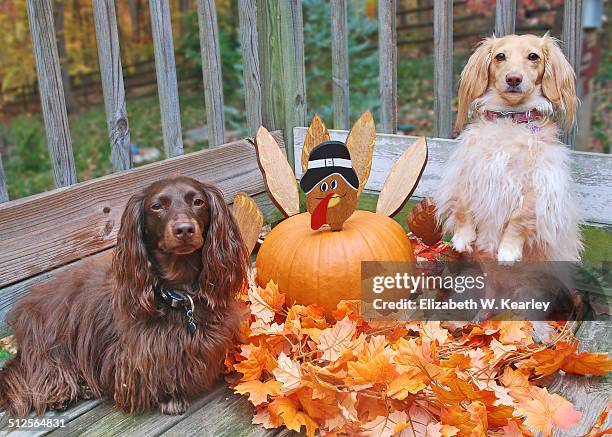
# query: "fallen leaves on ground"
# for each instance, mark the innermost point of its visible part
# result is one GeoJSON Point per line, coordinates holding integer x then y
{"type": "Point", "coordinates": [347, 376]}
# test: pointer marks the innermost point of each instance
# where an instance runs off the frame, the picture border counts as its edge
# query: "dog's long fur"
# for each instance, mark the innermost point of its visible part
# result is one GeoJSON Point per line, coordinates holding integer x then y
{"type": "Point", "coordinates": [506, 192]}
{"type": "Point", "coordinates": [102, 329]}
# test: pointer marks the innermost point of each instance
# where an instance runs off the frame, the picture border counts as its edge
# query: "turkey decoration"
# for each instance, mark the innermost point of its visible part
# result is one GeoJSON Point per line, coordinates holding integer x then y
{"type": "Point", "coordinates": [315, 257]}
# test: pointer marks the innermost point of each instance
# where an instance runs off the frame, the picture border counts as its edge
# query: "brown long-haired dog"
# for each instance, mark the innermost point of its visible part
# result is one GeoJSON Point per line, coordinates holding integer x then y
{"type": "Point", "coordinates": [506, 191]}
{"type": "Point", "coordinates": [120, 327]}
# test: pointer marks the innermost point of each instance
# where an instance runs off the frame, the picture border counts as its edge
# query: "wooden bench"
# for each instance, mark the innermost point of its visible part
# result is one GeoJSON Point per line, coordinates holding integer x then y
{"type": "Point", "coordinates": [67, 225]}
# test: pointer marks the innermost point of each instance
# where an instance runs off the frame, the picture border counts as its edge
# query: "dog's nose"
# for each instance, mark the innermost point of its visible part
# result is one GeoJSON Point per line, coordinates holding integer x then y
{"type": "Point", "coordinates": [183, 230]}
{"type": "Point", "coordinates": [514, 80]}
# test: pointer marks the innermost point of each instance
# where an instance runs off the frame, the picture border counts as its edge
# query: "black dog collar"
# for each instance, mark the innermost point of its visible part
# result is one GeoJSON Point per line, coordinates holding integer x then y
{"type": "Point", "coordinates": [176, 299]}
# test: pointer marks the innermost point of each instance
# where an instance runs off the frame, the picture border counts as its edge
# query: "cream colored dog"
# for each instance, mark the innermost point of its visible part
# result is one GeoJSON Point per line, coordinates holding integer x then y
{"type": "Point", "coordinates": [506, 192]}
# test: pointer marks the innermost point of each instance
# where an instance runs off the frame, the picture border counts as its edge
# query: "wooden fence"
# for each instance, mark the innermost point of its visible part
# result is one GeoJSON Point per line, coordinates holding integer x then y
{"type": "Point", "coordinates": [274, 77]}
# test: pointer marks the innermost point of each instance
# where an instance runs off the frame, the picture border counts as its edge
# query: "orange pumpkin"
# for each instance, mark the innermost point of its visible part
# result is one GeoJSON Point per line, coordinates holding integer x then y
{"type": "Point", "coordinates": [324, 267]}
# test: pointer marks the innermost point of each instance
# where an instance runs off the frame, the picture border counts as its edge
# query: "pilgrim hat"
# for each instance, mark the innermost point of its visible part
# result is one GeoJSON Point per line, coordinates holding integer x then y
{"type": "Point", "coordinates": [326, 159]}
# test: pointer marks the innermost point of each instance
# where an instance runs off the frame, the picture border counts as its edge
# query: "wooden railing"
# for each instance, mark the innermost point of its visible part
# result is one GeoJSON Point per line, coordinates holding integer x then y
{"type": "Point", "coordinates": [274, 76]}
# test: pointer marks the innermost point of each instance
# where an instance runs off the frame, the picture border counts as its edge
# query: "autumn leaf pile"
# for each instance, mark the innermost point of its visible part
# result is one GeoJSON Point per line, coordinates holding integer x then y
{"type": "Point", "coordinates": [345, 376]}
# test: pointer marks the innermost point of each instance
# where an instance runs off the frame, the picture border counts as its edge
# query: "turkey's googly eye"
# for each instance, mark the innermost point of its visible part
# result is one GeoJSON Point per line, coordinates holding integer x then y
{"type": "Point", "coordinates": [333, 184]}
{"type": "Point", "coordinates": [324, 186]}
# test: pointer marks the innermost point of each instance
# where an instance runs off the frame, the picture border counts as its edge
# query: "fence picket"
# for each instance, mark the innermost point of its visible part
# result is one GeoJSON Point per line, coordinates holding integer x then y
{"type": "Point", "coordinates": [53, 103]}
{"type": "Point", "coordinates": [247, 10]}
{"type": "Point", "coordinates": [161, 28]}
{"type": "Point", "coordinates": [111, 73]}
{"type": "Point", "coordinates": [387, 54]}
{"type": "Point", "coordinates": [281, 52]}
{"type": "Point", "coordinates": [572, 46]}
{"type": "Point", "coordinates": [4, 197]}
{"type": "Point", "coordinates": [211, 70]}
{"type": "Point", "coordinates": [443, 68]}
{"type": "Point", "coordinates": [505, 17]}
{"type": "Point", "coordinates": [340, 63]}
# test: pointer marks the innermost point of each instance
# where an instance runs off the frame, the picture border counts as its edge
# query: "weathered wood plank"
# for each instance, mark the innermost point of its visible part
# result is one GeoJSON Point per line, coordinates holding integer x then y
{"type": "Point", "coordinates": [589, 394]}
{"type": "Point", "coordinates": [572, 47]}
{"type": "Point", "coordinates": [161, 28]}
{"type": "Point", "coordinates": [229, 415]}
{"type": "Point", "coordinates": [211, 70]}
{"type": "Point", "coordinates": [387, 56]}
{"type": "Point", "coordinates": [105, 421]}
{"type": "Point", "coordinates": [250, 63]}
{"type": "Point", "coordinates": [443, 68]}
{"type": "Point", "coordinates": [52, 100]}
{"type": "Point", "coordinates": [107, 37]}
{"type": "Point", "coordinates": [281, 59]}
{"type": "Point", "coordinates": [591, 171]}
{"type": "Point", "coordinates": [340, 63]}
{"type": "Point", "coordinates": [11, 294]}
{"type": "Point", "coordinates": [72, 413]}
{"type": "Point", "coordinates": [4, 197]}
{"type": "Point", "coordinates": [85, 218]}
{"type": "Point", "coordinates": [505, 17]}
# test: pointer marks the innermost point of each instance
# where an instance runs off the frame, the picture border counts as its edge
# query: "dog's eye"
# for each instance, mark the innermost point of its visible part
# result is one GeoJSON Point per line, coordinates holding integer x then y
{"type": "Point", "coordinates": [324, 186]}
{"type": "Point", "coordinates": [198, 202]}
{"type": "Point", "coordinates": [533, 57]}
{"type": "Point", "coordinates": [333, 184]}
{"type": "Point", "coordinates": [156, 206]}
{"type": "Point", "coordinates": [500, 57]}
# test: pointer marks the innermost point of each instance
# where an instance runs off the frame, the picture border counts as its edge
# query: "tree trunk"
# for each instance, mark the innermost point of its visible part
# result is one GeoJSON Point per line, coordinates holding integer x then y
{"type": "Point", "coordinates": [58, 19]}
{"type": "Point", "coordinates": [183, 11]}
{"type": "Point", "coordinates": [134, 8]}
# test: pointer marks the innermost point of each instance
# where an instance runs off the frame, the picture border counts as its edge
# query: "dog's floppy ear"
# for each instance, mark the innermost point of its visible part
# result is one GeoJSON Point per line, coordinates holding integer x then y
{"type": "Point", "coordinates": [224, 254]}
{"type": "Point", "coordinates": [474, 80]}
{"type": "Point", "coordinates": [559, 81]}
{"type": "Point", "coordinates": [134, 292]}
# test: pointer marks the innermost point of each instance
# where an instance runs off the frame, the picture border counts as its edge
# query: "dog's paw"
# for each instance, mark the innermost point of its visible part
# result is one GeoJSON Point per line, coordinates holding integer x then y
{"type": "Point", "coordinates": [463, 239]}
{"type": "Point", "coordinates": [174, 407]}
{"type": "Point", "coordinates": [507, 254]}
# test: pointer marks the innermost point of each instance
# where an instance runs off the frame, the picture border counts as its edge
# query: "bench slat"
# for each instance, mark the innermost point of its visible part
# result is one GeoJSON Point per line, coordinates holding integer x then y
{"type": "Point", "coordinates": [48, 230]}
{"type": "Point", "coordinates": [591, 171]}
{"type": "Point", "coordinates": [589, 394]}
{"type": "Point", "coordinates": [229, 414]}
{"type": "Point", "coordinates": [72, 413]}
{"type": "Point", "coordinates": [105, 421]}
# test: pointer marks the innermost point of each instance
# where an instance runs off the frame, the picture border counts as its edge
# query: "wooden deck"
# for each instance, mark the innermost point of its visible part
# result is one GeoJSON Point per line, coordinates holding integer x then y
{"type": "Point", "coordinates": [219, 413]}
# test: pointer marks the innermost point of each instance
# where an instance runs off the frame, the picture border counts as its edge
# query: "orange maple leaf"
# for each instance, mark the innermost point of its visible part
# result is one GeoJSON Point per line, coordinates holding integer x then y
{"type": "Point", "coordinates": [544, 411]}
{"type": "Point", "coordinates": [551, 360]}
{"type": "Point", "coordinates": [287, 409]}
{"type": "Point", "coordinates": [586, 363]}
{"type": "Point", "coordinates": [411, 381]}
{"type": "Point", "coordinates": [259, 359]}
{"type": "Point", "coordinates": [265, 302]}
{"type": "Point", "coordinates": [259, 391]}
